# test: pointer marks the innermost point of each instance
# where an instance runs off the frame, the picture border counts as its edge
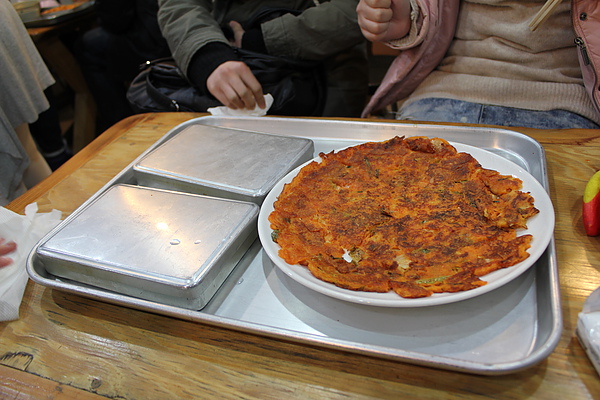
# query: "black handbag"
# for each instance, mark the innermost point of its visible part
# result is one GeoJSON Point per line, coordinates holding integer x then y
{"type": "Point", "coordinates": [298, 87]}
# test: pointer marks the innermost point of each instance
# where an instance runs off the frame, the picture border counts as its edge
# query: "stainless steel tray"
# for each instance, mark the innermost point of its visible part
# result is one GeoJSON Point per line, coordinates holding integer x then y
{"type": "Point", "coordinates": [214, 161]}
{"type": "Point", "coordinates": [61, 16]}
{"type": "Point", "coordinates": [169, 247]}
{"type": "Point", "coordinates": [509, 329]}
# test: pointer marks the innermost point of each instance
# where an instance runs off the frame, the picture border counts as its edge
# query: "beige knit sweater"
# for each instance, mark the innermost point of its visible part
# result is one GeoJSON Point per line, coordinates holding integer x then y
{"type": "Point", "coordinates": [495, 59]}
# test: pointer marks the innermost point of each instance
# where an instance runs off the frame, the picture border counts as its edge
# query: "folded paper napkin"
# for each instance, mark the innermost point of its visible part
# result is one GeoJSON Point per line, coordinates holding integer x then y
{"type": "Point", "coordinates": [588, 328]}
{"type": "Point", "coordinates": [25, 230]}
{"type": "Point", "coordinates": [257, 112]}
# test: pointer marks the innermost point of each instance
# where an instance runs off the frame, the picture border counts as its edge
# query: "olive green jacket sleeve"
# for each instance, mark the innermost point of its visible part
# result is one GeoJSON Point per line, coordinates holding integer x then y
{"type": "Point", "coordinates": [318, 33]}
{"type": "Point", "coordinates": [188, 25]}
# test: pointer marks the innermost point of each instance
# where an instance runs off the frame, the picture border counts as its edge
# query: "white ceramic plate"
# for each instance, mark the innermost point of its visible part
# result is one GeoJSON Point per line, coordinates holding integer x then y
{"type": "Point", "coordinates": [541, 226]}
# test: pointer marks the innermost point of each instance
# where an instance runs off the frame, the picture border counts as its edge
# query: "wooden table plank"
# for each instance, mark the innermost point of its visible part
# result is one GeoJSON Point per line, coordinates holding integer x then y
{"type": "Point", "coordinates": [124, 353]}
{"type": "Point", "coordinates": [17, 384]}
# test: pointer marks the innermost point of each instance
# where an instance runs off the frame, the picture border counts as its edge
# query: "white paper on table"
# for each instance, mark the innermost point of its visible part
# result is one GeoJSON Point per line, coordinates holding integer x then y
{"type": "Point", "coordinates": [588, 328]}
{"type": "Point", "coordinates": [25, 230]}
{"type": "Point", "coordinates": [257, 112]}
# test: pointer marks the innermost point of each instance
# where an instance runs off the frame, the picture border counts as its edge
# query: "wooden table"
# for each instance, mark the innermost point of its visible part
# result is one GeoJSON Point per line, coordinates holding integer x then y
{"type": "Point", "coordinates": [69, 347]}
{"type": "Point", "coordinates": [63, 64]}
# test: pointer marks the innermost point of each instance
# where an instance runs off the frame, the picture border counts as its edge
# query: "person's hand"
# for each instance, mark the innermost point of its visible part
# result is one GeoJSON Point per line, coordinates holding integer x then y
{"type": "Point", "coordinates": [234, 85]}
{"type": "Point", "coordinates": [6, 248]}
{"type": "Point", "coordinates": [238, 33]}
{"type": "Point", "coordinates": [383, 20]}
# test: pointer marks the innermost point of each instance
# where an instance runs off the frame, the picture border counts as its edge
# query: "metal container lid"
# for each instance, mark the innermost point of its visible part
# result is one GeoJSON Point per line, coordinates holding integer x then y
{"type": "Point", "coordinates": [145, 242]}
{"type": "Point", "coordinates": [224, 162]}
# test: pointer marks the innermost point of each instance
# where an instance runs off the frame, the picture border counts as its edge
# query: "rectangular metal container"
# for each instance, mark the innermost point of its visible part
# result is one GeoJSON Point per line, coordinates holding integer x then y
{"type": "Point", "coordinates": [222, 162]}
{"type": "Point", "coordinates": [507, 330]}
{"type": "Point", "coordinates": [169, 247]}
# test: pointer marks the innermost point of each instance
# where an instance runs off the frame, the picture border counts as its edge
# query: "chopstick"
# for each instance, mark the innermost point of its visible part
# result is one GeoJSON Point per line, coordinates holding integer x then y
{"type": "Point", "coordinates": [542, 15]}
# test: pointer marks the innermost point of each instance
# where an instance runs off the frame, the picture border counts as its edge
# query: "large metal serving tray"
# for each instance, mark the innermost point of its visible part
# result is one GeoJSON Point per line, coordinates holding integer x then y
{"type": "Point", "coordinates": [509, 329]}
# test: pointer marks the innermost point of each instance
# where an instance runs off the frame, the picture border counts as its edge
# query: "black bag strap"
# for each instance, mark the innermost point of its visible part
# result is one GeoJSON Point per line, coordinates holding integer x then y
{"type": "Point", "coordinates": [162, 100]}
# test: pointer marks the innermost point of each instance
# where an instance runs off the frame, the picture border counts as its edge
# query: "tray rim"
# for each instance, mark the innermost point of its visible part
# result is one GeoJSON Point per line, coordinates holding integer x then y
{"type": "Point", "coordinates": [50, 20]}
{"type": "Point", "coordinates": [443, 362]}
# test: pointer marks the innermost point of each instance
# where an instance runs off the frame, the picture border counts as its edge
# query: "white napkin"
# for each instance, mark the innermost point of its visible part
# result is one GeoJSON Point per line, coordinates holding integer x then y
{"type": "Point", "coordinates": [257, 112]}
{"type": "Point", "coordinates": [588, 328]}
{"type": "Point", "coordinates": [49, 3]}
{"type": "Point", "coordinates": [25, 230]}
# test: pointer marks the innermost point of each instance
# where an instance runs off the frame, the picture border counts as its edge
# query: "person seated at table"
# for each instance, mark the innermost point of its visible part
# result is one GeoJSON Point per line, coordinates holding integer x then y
{"type": "Point", "coordinates": [482, 63]}
{"type": "Point", "coordinates": [110, 54]}
{"type": "Point", "coordinates": [203, 35]}
{"type": "Point", "coordinates": [5, 249]}
{"type": "Point", "coordinates": [23, 79]}
{"type": "Point", "coordinates": [48, 136]}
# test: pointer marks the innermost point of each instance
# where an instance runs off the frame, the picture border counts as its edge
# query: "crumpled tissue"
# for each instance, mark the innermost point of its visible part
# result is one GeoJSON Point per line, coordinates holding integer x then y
{"type": "Point", "coordinates": [25, 230]}
{"type": "Point", "coordinates": [257, 112]}
{"type": "Point", "coordinates": [588, 328]}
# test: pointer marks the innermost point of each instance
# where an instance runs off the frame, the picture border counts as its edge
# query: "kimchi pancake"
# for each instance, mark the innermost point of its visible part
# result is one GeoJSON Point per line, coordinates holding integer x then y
{"type": "Point", "coordinates": [412, 216]}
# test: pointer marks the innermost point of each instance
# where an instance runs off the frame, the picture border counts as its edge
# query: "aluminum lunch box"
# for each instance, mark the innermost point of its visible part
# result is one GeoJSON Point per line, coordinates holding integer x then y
{"type": "Point", "coordinates": [173, 248]}
{"type": "Point", "coordinates": [222, 162]}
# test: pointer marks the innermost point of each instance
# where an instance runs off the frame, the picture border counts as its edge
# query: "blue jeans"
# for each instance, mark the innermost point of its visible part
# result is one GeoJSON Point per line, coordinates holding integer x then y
{"type": "Point", "coordinates": [449, 110]}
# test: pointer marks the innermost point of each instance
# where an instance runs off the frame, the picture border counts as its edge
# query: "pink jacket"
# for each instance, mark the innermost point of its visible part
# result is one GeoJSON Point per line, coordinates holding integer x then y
{"type": "Point", "coordinates": [586, 22]}
{"type": "Point", "coordinates": [437, 23]}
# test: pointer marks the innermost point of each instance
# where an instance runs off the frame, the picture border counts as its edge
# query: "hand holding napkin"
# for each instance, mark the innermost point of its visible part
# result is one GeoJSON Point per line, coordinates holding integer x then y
{"type": "Point", "coordinates": [25, 230]}
{"type": "Point", "coordinates": [6, 248]}
{"type": "Point", "coordinates": [257, 112]}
